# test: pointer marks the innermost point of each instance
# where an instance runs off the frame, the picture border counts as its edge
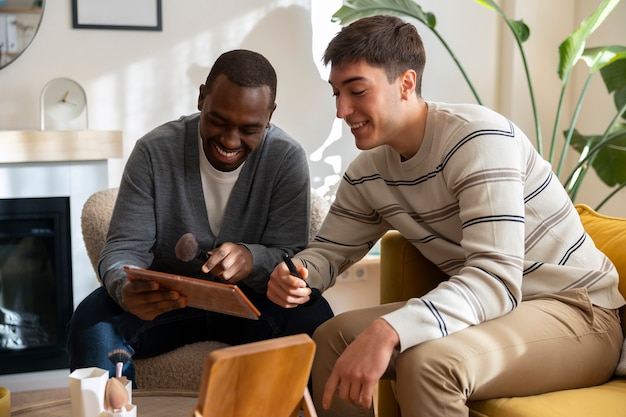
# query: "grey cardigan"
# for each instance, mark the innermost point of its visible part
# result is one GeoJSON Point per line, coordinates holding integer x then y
{"type": "Point", "coordinates": [160, 199]}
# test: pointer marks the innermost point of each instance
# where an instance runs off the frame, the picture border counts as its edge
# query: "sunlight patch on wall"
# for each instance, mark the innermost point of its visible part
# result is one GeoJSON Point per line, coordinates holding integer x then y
{"type": "Point", "coordinates": [329, 182]}
{"type": "Point", "coordinates": [155, 82]}
{"type": "Point", "coordinates": [323, 30]}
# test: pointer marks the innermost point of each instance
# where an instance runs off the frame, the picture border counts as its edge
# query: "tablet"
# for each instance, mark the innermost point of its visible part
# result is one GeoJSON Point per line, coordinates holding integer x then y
{"type": "Point", "coordinates": [200, 293]}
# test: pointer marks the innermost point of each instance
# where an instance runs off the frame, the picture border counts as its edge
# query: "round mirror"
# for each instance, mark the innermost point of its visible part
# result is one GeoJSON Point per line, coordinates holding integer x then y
{"type": "Point", "coordinates": [19, 21]}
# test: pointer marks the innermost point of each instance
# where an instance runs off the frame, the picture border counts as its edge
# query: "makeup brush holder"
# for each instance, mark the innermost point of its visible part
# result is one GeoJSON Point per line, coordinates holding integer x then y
{"type": "Point", "coordinates": [87, 393]}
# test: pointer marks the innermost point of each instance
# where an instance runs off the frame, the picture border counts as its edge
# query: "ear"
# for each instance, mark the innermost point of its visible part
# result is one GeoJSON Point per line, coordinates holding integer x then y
{"type": "Point", "coordinates": [407, 82]}
{"type": "Point", "coordinates": [269, 119]}
{"type": "Point", "coordinates": [201, 96]}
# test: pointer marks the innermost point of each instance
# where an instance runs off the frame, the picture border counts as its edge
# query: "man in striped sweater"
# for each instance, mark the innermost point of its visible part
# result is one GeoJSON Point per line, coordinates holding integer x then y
{"type": "Point", "coordinates": [528, 294]}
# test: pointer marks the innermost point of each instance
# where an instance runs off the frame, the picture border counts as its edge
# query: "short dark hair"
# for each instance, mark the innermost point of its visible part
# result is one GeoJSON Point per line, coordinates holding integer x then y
{"type": "Point", "coordinates": [246, 69]}
{"type": "Point", "coordinates": [387, 42]}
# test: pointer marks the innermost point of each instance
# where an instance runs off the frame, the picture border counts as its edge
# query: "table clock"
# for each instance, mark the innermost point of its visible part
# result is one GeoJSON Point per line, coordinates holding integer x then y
{"type": "Point", "coordinates": [63, 105]}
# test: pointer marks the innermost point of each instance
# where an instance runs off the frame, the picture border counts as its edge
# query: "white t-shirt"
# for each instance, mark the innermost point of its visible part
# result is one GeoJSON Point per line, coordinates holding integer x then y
{"type": "Point", "coordinates": [216, 186]}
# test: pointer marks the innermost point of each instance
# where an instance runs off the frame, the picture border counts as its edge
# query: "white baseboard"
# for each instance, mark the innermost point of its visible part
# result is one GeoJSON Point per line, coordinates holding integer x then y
{"type": "Point", "coordinates": [32, 381]}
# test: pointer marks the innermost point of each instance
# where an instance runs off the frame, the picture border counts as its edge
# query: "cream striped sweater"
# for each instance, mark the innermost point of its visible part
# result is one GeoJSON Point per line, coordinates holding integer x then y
{"type": "Point", "coordinates": [480, 203]}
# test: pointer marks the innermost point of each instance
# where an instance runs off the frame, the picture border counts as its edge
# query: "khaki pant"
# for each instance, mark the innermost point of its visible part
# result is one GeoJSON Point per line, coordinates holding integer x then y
{"type": "Point", "coordinates": [550, 342]}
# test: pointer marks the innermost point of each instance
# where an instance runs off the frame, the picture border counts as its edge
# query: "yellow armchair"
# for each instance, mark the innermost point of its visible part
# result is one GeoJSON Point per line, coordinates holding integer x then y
{"type": "Point", "coordinates": [400, 262]}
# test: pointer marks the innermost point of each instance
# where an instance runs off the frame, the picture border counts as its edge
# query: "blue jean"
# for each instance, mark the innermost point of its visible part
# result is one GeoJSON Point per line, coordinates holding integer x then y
{"type": "Point", "coordinates": [99, 326]}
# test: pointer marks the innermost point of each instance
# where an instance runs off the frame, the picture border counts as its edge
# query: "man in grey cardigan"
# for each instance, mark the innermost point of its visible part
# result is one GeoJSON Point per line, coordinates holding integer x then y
{"type": "Point", "coordinates": [235, 181]}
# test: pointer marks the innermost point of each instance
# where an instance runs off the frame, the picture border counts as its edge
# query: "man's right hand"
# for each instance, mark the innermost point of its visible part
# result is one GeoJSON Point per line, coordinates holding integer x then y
{"type": "Point", "coordinates": [361, 365]}
{"type": "Point", "coordinates": [286, 290]}
{"type": "Point", "coordinates": [145, 300]}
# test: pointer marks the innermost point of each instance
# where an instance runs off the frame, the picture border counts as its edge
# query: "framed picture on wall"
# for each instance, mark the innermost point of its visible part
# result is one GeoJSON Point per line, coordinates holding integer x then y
{"type": "Point", "coordinates": [117, 14]}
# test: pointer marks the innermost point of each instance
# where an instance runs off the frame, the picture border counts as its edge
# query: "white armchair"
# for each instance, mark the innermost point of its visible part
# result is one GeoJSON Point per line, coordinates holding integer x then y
{"type": "Point", "coordinates": [181, 368]}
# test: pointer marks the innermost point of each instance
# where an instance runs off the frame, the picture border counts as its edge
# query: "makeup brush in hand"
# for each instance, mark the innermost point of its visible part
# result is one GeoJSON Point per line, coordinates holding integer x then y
{"type": "Point", "coordinates": [187, 249]}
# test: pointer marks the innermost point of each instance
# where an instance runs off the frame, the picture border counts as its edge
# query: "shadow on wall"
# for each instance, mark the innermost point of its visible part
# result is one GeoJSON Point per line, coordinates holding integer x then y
{"type": "Point", "coordinates": [305, 105]}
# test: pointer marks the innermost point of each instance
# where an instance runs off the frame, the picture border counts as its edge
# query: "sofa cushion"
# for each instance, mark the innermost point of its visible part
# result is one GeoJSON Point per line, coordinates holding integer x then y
{"type": "Point", "coordinates": [609, 235]}
{"type": "Point", "coordinates": [606, 400]}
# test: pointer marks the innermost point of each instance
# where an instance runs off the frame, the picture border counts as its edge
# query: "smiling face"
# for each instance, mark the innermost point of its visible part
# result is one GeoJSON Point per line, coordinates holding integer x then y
{"type": "Point", "coordinates": [233, 120]}
{"type": "Point", "coordinates": [379, 111]}
{"type": "Point", "coordinates": [367, 101]}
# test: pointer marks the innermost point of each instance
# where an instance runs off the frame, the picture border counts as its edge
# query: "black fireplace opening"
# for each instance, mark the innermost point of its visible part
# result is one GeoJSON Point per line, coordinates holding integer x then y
{"type": "Point", "coordinates": [36, 300]}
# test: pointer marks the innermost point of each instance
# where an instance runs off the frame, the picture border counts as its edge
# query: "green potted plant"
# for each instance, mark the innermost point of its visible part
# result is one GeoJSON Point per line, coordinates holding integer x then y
{"type": "Point", "coordinates": [604, 152]}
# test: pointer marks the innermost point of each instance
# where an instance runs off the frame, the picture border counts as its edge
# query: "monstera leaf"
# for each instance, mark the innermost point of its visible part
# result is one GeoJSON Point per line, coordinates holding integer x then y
{"type": "Point", "coordinates": [609, 161]}
{"type": "Point", "coordinates": [356, 9]}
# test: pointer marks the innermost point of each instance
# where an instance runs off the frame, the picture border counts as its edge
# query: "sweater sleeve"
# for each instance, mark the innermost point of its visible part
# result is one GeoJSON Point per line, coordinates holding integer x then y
{"type": "Point", "coordinates": [132, 229]}
{"type": "Point", "coordinates": [349, 231]}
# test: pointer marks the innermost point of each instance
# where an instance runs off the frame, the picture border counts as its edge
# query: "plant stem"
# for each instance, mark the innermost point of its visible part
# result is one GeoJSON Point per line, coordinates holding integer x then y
{"type": "Point", "coordinates": [586, 161]}
{"type": "Point", "coordinates": [527, 73]}
{"type": "Point", "coordinates": [458, 64]}
{"type": "Point", "coordinates": [570, 131]}
{"type": "Point", "coordinates": [559, 107]}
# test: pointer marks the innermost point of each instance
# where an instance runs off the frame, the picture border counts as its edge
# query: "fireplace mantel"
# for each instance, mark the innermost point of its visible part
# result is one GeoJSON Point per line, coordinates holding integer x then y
{"type": "Point", "coordinates": [23, 146]}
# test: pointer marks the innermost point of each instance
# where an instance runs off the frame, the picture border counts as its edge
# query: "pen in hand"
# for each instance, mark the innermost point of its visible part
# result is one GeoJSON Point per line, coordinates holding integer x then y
{"type": "Point", "coordinates": [315, 294]}
{"type": "Point", "coordinates": [292, 268]}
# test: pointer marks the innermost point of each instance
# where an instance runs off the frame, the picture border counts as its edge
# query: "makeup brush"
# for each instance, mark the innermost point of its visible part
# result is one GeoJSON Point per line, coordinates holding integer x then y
{"type": "Point", "coordinates": [115, 394]}
{"type": "Point", "coordinates": [187, 249]}
{"type": "Point", "coordinates": [119, 357]}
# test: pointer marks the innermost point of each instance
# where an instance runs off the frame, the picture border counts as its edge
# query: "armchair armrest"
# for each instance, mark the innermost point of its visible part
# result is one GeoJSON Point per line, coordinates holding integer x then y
{"type": "Point", "coordinates": [404, 273]}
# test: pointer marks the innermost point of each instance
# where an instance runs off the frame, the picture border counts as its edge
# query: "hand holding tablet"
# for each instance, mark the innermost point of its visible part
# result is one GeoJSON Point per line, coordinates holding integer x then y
{"type": "Point", "coordinates": [200, 293]}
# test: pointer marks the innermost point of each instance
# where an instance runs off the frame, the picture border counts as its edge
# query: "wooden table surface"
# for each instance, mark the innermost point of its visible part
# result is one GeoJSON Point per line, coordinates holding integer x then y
{"type": "Point", "coordinates": [150, 403]}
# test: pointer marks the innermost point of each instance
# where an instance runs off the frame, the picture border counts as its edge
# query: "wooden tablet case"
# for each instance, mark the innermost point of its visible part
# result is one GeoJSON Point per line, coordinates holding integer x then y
{"type": "Point", "coordinates": [207, 295]}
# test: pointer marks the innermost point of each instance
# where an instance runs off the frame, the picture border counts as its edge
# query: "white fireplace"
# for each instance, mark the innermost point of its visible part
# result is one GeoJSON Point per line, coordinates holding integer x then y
{"type": "Point", "coordinates": [70, 164]}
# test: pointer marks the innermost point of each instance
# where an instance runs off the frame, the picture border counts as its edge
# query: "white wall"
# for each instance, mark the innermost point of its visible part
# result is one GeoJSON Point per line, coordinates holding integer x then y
{"type": "Point", "coordinates": [136, 80]}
